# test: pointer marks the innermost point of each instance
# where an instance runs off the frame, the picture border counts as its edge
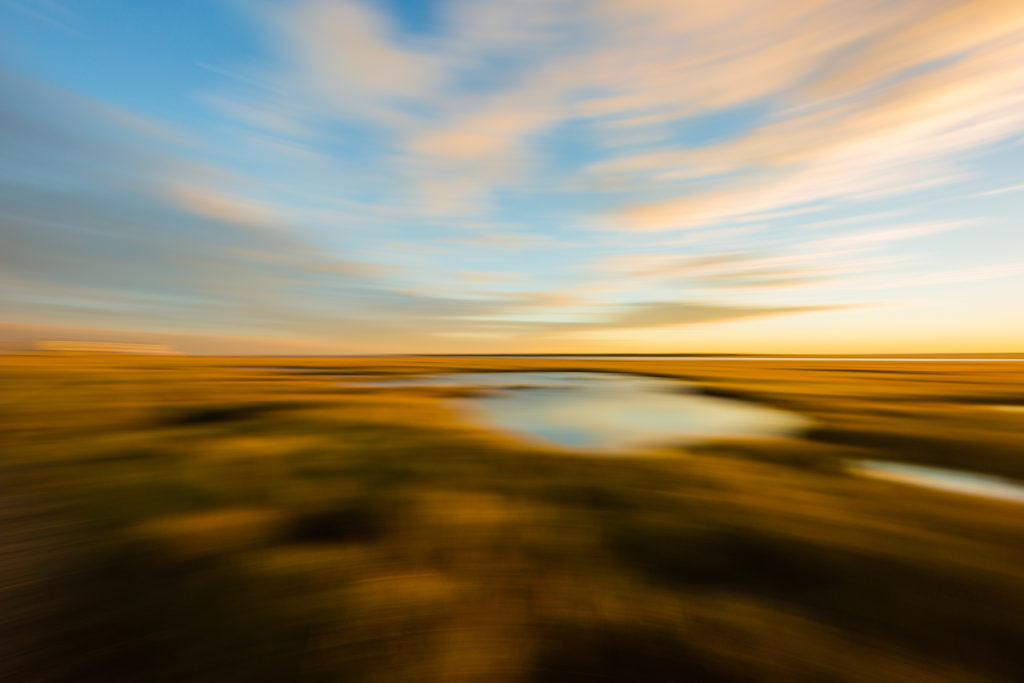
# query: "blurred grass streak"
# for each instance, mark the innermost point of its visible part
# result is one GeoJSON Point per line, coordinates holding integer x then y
{"type": "Point", "coordinates": [191, 519]}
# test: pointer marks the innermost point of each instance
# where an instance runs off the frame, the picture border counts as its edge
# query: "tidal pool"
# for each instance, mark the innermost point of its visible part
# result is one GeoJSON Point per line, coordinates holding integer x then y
{"type": "Point", "coordinates": [609, 411]}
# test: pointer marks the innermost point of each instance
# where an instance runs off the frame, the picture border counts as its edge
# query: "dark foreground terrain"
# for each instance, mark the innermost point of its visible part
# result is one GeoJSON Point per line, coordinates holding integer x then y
{"type": "Point", "coordinates": [215, 520]}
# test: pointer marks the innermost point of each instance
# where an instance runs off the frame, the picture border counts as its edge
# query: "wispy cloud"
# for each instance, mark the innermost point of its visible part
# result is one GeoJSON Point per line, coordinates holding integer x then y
{"type": "Point", "coordinates": [205, 200]}
{"type": "Point", "coordinates": [1001, 190]}
{"type": "Point", "coordinates": [508, 169]}
{"type": "Point", "coordinates": [662, 314]}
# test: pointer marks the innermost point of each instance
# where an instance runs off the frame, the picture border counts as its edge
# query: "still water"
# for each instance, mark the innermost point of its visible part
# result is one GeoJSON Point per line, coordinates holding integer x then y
{"type": "Point", "coordinates": [614, 412]}
{"type": "Point", "coordinates": [609, 411]}
{"type": "Point", "coordinates": [957, 481]}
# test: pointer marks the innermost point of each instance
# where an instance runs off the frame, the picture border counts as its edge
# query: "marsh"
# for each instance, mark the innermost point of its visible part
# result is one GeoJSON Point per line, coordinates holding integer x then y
{"type": "Point", "coordinates": [352, 519]}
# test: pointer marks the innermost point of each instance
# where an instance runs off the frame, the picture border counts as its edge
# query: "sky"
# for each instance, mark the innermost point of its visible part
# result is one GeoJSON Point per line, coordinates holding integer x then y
{"type": "Point", "coordinates": [514, 176]}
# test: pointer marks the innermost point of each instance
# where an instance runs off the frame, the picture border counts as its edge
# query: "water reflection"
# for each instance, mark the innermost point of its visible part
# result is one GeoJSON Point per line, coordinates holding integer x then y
{"type": "Point", "coordinates": [957, 481]}
{"type": "Point", "coordinates": [610, 411]}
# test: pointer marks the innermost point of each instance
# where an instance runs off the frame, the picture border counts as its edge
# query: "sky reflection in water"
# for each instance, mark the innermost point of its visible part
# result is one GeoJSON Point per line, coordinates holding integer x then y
{"type": "Point", "coordinates": [611, 411]}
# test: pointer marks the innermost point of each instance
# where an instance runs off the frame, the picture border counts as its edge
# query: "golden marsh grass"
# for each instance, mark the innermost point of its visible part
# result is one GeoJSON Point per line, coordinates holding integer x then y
{"type": "Point", "coordinates": [212, 519]}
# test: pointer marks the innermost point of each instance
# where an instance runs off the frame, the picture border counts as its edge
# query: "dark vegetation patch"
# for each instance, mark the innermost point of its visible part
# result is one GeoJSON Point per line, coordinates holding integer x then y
{"type": "Point", "coordinates": [617, 653]}
{"type": "Point", "coordinates": [347, 521]}
{"type": "Point", "coordinates": [795, 453]}
{"type": "Point", "coordinates": [930, 609]}
{"type": "Point", "coordinates": [187, 416]}
{"type": "Point", "coordinates": [129, 616]}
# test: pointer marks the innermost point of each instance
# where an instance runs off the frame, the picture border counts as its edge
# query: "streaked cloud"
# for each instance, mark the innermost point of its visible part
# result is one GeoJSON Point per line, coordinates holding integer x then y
{"type": "Point", "coordinates": [205, 200]}
{"type": "Point", "coordinates": [489, 172]}
{"type": "Point", "coordinates": [661, 314]}
{"type": "Point", "coordinates": [1000, 190]}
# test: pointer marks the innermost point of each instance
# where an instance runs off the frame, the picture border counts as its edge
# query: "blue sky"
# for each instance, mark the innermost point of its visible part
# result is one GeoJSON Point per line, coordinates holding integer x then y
{"type": "Point", "coordinates": [538, 175]}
